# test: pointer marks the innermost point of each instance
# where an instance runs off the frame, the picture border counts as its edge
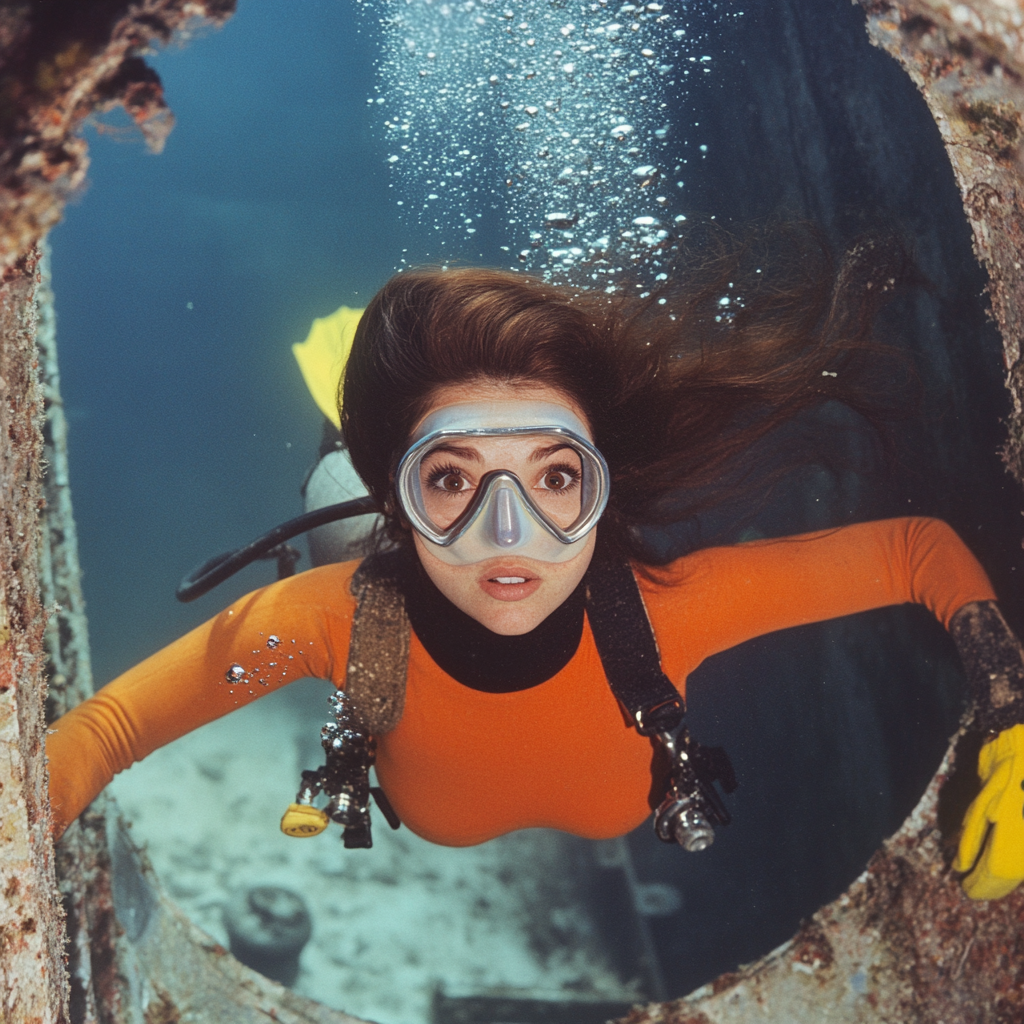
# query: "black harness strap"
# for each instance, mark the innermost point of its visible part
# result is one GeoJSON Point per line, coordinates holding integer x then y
{"type": "Point", "coordinates": [628, 649]}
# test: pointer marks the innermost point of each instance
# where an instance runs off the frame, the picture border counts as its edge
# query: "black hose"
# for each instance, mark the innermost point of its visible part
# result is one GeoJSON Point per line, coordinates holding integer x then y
{"type": "Point", "coordinates": [216, 570]}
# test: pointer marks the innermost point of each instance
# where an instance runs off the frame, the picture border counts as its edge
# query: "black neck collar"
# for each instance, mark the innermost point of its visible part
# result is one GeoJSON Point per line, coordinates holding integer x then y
{"type": "Point", "coordinates": [474, 656]}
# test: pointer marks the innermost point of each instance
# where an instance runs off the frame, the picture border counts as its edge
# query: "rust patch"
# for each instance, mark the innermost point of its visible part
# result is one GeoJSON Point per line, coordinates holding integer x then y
{"type": "Point", "coordinates": [161, 1010]}
{"type": "Point", "coordinates": [725, 981]}
{"type": "Point", "coordinates": [675, 1012]}
{"type": "Point", "coordinates": [64, 61]}
{"type": "Point", "coordinates": [812, 948]}
{"type": "Point", "coordinates": [997, 126]}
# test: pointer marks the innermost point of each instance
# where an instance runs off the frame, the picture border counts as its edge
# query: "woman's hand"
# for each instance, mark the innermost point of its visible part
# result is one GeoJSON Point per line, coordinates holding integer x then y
{"type": "Point", "coordinates": [994, 824]}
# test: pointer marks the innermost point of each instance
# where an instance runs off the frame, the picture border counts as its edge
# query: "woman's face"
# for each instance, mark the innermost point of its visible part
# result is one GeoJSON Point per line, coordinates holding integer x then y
{"type": "Point", "coordinates": [507, 594]}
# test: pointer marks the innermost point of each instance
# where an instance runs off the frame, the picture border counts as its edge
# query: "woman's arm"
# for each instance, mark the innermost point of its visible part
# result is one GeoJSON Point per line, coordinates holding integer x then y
{"type": "Point", "coordinates": [721, 597]}
{"type": "Point", "coordinates": [727, 595]}
{"type": "Point", "coordinates": [295, 628]}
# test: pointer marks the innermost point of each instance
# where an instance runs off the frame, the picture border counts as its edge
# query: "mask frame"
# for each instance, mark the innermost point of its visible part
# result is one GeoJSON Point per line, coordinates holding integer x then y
{"type": "Point", "coordinates": [500, 494]}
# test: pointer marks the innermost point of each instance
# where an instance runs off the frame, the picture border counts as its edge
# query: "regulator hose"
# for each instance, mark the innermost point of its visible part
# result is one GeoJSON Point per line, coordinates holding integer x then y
{"type": "Point", "coordinates": [216, 570]}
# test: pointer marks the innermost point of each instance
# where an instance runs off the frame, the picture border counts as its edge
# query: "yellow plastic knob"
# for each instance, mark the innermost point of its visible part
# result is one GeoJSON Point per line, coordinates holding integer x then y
{"type": "Point", "coordinates": [301, 820]}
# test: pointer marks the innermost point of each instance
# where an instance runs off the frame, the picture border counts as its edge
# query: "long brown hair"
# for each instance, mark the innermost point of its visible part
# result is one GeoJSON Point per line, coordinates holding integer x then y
{"type": "Point", "coordinates": [678, 383]}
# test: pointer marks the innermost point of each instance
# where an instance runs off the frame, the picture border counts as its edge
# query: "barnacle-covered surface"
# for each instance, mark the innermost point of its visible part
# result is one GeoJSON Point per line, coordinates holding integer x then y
{"type": "Point", "coordinates": [32, 983]}
{"type": "Point", "coordinates": [968, 62]}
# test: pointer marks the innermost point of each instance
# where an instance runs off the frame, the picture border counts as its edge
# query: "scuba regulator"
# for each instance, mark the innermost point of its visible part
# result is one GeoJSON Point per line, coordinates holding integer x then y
{"type": "Point", "coordinates": [692, 807]}
{"type": "Point", "coordinates": [344, 778]}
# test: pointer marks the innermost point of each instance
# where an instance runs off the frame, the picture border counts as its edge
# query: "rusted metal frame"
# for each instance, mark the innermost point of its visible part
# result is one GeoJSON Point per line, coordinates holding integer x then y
{"type": "Point", "coordinates": [902, 945]}
{"type": "Point", "coordinates": [968, 62]}
{"type": "Point", "coordinates": [31, 926]}
{"type": "Point", "coordinates": [904, 934]}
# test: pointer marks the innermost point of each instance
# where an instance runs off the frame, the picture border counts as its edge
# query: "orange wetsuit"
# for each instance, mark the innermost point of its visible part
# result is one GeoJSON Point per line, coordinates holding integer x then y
{"type": "Point", "coordinates": [463, 765]}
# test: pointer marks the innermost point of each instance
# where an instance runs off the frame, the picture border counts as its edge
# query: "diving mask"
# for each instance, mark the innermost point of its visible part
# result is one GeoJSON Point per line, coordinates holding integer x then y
{"type": "Point", "coordinates": [540, 501]}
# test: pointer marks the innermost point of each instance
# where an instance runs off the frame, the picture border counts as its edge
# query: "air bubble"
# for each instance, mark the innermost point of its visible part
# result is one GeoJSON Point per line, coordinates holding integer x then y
{"type": "Point", "coordinates": [561, 220]}
{"type": "Point", "coordinates": [234, 674]}
{"type": "Point", "coordinates": [273, 641]}
{"type": "Point", "coordinates": [449, 129]}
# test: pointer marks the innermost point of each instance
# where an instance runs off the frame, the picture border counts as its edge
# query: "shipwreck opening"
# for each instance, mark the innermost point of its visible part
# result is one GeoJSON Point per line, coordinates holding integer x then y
{"type": "Point", "coordinates": [190, 432]}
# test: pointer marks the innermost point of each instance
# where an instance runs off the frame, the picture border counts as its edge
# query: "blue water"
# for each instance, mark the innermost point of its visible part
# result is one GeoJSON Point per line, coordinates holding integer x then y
{"type": "Point", "coordinates": [183, 279]}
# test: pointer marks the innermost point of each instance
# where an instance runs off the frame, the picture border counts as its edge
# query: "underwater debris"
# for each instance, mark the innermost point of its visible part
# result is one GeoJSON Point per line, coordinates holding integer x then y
{"type": "Point", "coordinates": [63, 63]}
{"type": "Point", "coordinates": [268, 927]}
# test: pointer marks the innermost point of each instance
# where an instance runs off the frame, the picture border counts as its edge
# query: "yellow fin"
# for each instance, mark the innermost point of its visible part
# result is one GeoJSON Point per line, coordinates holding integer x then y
{"type": "Point", "coordinates": [322, 357]}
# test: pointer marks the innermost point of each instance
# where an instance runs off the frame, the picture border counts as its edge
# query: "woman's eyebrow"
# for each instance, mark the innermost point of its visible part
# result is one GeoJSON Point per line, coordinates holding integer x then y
{"type": "Point", "coordinates": [543, 453]}
{"type": "Point", "coordinates": [457, 449]}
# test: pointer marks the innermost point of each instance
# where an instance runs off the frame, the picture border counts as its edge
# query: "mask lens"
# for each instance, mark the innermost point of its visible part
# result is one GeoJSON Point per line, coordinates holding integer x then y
{"type": "Point", "coordinates": [447, 482]}
{"type": "Point", "coordinates": [556, 486]}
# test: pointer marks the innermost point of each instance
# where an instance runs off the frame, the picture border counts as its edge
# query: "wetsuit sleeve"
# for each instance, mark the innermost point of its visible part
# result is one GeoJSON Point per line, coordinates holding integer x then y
{"type": "Point", "coordinates": [724, 596]}
{"type": "Point", "coordinates": [295, 628]}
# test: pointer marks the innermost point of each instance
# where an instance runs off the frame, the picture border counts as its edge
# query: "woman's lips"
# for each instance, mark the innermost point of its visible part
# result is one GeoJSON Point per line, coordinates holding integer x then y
{"type": "Point", "coordinates": [509, 583]}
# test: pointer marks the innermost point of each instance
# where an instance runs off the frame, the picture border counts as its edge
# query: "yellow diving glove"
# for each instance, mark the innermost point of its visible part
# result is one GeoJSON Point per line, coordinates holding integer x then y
{"type": "Point", "coordinates": [303, 820]}
{"type": "Point", "coordinates": [1000, 868]}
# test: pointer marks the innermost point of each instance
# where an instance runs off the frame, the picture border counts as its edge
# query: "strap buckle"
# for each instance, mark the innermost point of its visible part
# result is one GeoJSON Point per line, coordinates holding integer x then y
{"type": "Point", "coordinates": [664, 716]}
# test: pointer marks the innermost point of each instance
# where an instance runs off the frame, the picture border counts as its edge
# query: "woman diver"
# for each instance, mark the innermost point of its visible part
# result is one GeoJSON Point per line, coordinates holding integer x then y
{"type": "Point", "coordinates": [516, 437]}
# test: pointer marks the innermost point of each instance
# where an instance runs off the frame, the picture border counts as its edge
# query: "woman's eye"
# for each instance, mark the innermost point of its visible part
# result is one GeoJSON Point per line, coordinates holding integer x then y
{"type": "Point", "coordinates": [559, 479]}
{"type": "Point", "coordinates": [449, 479]}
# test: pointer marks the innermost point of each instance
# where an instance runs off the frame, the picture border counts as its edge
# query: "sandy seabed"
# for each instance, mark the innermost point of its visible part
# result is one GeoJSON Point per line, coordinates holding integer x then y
{"type": "Point", "coordinates": [391, 925]}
